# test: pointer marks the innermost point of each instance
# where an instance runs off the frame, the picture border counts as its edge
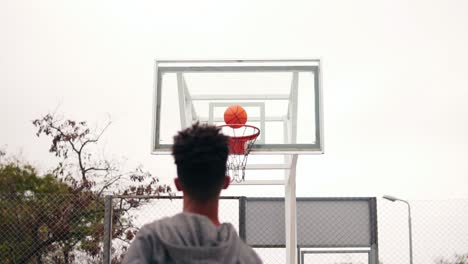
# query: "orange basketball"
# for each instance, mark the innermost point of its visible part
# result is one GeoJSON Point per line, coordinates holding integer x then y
{"type": "Point", "coordinates": [235, 116]}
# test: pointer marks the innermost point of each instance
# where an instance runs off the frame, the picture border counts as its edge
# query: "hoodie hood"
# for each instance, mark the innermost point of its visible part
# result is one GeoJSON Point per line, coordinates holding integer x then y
{"type": "Point", "coordinates": [191, 238]}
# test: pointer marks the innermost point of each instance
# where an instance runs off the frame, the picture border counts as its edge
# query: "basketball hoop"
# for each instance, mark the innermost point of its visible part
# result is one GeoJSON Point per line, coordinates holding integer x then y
{"type": "Point", "coordinates": [241, 140]}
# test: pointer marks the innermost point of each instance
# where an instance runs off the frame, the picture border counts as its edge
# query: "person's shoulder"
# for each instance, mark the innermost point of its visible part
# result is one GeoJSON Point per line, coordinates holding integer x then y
{"type": "Point", "coordinates": [248, 255]}
{"type": "Point", "coordinates": [153, 226]}
{"type": "Point", "coordinates": [146, 246]}
{"type": "Point", "coordinates": [163, 225]}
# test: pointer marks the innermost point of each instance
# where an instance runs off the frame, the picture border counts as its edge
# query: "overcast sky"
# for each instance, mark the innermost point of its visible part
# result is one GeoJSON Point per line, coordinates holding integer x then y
{"type": "Point", "coordinates": [395, 80]}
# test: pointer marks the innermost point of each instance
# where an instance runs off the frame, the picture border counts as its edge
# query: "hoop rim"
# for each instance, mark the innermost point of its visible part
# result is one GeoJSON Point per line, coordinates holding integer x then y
{"type": "Point", "coordinates": [248, 137]}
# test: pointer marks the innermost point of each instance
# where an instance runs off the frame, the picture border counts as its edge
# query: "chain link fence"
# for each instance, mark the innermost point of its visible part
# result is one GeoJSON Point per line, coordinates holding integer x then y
{"type": "Point", "coordinates": [51, 228]}
{"type": "Point", "coordinates": [439, 231]}
{"type": "Point", "coordinates": [71, 229]}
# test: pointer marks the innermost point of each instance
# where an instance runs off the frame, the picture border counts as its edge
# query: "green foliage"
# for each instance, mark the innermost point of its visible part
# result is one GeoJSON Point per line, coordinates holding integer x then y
{"type": "Point", "coordinates": [40, 214]}
{"type": "Point", "coordinates": [22, 178]}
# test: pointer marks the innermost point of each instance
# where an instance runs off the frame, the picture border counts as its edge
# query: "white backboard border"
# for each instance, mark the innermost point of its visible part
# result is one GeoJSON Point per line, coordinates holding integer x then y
{"type": "Point", "coordinates": [294, 65]}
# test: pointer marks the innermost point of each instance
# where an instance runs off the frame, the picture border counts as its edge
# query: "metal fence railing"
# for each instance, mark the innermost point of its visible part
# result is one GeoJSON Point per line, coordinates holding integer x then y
{"type": "Point", "coordinates": [336, 223]}
{"type": "Point", "coordinates": [82, 228]}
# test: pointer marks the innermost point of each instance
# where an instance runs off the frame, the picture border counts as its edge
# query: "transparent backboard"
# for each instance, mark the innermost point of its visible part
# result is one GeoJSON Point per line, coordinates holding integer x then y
{"type": "Point", "coordinates": [281, 97]}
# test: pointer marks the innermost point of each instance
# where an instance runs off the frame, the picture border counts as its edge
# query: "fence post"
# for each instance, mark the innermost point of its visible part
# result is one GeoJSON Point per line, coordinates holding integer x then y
{"type": "Point", "coordinates": [374, 252]}
{"type": "Point", "coordinates": [107, 229]}
{"type": "Point", "coordinates": [242, 219]}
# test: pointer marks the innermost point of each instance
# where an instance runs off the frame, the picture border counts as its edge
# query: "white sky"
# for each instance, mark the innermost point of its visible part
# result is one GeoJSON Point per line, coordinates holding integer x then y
{"type": "Point", "coordinates": [394, 80]}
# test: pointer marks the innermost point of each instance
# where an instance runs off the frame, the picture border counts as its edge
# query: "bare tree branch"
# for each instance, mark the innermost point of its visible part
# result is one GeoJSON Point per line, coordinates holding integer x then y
{"type": "Point", "coordinates": [97, 176]}
{"type": "Point", "coordinates": [96, 169]}
{"type": "Point", "coordinates": [97, 138]}
{"type": "Point", "coordinates": [75, 149]}
{"type": "Point", "coordinates": [109, 184]}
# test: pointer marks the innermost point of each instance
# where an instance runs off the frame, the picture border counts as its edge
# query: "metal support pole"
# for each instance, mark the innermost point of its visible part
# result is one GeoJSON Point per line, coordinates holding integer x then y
{"type": "Point", "coordinates": [107, 229]}
{"type": "Point", "coordinates": [242, 221]}
{"type": "Point", "coordinates": [374, 249]}
{"type": "Point", "coordinates": [182, 101]}
{"type": "Point", "coordinates": [394, 199]}
{"type": "Point", "coordinates": [290, 208]}
{"type": "Point", "coordinates": [410, 231]}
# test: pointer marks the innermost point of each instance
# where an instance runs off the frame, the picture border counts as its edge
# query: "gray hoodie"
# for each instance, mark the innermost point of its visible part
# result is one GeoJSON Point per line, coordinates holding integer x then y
{"type": "Point", "coordinates": [189, 238]}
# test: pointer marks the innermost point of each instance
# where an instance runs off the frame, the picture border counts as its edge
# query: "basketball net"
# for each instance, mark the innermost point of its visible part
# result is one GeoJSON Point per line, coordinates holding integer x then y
{"type": "Point", "coordinates": [241, 140]}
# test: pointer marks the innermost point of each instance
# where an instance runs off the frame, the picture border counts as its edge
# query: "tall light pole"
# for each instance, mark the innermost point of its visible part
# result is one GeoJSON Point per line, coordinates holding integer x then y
{"type": "Point", "coordinates": [394, 199]}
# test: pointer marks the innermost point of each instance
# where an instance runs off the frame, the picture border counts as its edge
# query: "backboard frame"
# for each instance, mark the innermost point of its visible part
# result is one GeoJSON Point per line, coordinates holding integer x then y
{"type": "Point", "coordinates": [186, 66]}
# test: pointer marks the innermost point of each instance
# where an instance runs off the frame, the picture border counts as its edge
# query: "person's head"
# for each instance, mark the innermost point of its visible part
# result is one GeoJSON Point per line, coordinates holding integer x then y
{"type": "Point", "coordinates": [200, 154]}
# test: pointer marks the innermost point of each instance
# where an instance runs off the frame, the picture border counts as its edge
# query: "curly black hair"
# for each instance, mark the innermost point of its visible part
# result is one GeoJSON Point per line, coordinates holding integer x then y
{"type": "Point", "coordinates": [200, 153]}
